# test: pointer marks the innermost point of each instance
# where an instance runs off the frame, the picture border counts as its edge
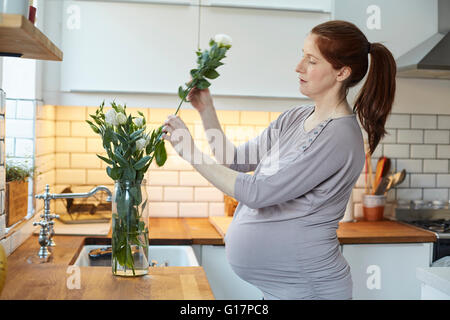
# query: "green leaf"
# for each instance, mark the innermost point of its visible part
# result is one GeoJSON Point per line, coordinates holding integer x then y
{"type": "Point", "coordinates": [211, 74]}
{"type": "Point", "coordinates": [136, 135]}
{"type": "Point", "coordinates": [121, 160]}
{"type": "Point", "coordinates": [108, 161]}
{"type": "Point", "coordinates": [141, 163]}
{"type": "Point", "coordinates": [181, 93]}
{"type": "Point", "coordinates": [193, 73]}
{"type": "Point", "coordinates": [129, 174]}
{"type": "Point", "coordinates": [203, 84]}
{"type": "Point", "coordinates": [160, 153]}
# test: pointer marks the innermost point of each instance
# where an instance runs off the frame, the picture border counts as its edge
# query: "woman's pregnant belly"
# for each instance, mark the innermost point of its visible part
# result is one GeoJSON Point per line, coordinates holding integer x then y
{"type": "Point", "coordinates": [284, 245]}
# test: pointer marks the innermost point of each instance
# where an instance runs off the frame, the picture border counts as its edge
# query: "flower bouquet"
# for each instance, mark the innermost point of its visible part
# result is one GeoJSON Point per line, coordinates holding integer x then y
{"type": "Point", "coordinates": [130, 151]}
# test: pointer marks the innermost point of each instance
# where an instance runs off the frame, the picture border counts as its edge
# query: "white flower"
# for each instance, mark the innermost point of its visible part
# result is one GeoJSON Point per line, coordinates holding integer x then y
{"type": "Point", "coordinates": [121, 118]}
{"type": "Point", "coordinates": [141, 143]}
{"type": "Point", "coordinates": [111, 117]}
{"type": "Point", "coordinates": [223, 40]}
{"type": "Point", "coordinates": [139, 122]}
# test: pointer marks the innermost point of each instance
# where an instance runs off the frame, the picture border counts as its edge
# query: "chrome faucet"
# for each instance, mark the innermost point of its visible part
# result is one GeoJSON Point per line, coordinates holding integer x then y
{"type": "Point", "coordinates": [47, 232]}
{"type": "Point", "coordinates": [82, 195]}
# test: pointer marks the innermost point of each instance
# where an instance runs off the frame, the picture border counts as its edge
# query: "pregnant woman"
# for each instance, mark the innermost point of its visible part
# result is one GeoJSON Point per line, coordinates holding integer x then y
{"type": "Point", "coordinates": [306, 162]}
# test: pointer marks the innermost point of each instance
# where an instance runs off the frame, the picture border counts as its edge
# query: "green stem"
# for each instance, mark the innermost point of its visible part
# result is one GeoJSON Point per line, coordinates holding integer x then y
{"type": "Point", "coordinates": [182, 100]}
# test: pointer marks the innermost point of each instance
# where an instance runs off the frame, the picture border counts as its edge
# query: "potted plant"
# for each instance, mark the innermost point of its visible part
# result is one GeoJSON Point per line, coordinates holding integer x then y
{"type": "Point", "coordinates": [16, 197]}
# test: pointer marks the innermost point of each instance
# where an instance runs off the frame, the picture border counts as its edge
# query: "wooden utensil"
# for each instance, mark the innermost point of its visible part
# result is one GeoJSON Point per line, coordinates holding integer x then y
{"type": "Point", "coordinates": [383, 185]}
{"type": "Point", "coordinates": [383, 166]}
{"type": "Point", "coordinates": [397, 178]}
{"type": "Point", "coordinates": [369, 183]}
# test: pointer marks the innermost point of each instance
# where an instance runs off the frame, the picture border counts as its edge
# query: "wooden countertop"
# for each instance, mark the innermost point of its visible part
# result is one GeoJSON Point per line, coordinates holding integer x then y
{"type": "Point", "coordinates": [183, 231]}
{"type": "Point", "coordinates": [49, 281]}
{"type": "Point", "coordinates": [386, 231]}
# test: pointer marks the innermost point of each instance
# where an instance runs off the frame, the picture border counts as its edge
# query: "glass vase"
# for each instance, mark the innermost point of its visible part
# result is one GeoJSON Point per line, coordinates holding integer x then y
{"type": "Point", "coordinates": [129, 229]}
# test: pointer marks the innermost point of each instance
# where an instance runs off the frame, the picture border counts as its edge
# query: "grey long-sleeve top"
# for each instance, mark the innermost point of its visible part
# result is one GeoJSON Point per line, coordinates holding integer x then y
{"type": "Point", "coordinates": [283, 235]}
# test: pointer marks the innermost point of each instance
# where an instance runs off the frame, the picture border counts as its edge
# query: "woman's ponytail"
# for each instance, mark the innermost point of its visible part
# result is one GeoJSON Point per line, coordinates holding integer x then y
{"type": "Point", "coordinates": [374, 101]}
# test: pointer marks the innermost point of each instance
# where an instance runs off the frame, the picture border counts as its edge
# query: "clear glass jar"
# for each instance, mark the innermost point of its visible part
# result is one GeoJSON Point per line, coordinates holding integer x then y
{"type": "Point", "coordinates": [129, 229]}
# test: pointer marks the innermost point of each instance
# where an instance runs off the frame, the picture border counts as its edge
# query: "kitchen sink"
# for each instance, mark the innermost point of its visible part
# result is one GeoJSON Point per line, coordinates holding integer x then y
{"type": "Point", "coordinates": [159, 255]}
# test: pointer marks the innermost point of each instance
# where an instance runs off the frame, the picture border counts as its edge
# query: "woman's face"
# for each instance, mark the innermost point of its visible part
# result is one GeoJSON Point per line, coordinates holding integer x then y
{"type": "Point", "coordinates": [317, 76]}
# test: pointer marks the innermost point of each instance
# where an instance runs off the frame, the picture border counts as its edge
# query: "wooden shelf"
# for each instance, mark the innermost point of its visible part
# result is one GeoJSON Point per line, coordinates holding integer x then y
{"type": "Point", "coordinates": [20, 38]}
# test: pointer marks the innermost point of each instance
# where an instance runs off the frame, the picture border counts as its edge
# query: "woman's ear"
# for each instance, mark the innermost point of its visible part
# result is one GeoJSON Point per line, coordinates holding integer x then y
{"type": "Point", "coordinates": [344, 73]}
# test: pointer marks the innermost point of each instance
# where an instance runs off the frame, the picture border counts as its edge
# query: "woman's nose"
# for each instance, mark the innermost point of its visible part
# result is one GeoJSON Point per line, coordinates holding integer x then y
{"type": "Point", "coordinates": [299, 68]}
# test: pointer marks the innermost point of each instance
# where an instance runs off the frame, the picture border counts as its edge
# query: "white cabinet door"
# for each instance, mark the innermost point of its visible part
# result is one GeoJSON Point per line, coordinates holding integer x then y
{"type": "Point", "coordinates": [225, 284]}
{"type": "Point", "coordinates": [387, 271]}
{"type": "Point", "coordinates": [266, 48]}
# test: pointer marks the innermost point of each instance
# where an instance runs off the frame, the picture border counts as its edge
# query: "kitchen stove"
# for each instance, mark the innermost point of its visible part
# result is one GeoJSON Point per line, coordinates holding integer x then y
{"type": "Point", "coordinates": [431, 218]}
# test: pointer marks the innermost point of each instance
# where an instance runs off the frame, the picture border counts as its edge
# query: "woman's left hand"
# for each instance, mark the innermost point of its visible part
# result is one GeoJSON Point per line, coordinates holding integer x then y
{"type": "Point", "coordinates": [180, 137]}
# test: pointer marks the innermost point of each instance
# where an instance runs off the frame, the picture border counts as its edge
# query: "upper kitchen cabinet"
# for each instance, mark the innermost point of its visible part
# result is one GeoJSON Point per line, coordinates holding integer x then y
{"type": "Point", "coordinates": [127, 47]}
{"type": "Point", "coordinates": [267, 46]}
{"type": "Point", "coordinates": [20, 38]}
{"type": "Point", "coordinates": [400, 25]}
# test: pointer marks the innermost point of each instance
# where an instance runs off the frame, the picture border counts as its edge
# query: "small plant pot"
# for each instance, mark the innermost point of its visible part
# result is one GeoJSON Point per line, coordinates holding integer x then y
{"type": "Point", "coordinates": [373, 207]}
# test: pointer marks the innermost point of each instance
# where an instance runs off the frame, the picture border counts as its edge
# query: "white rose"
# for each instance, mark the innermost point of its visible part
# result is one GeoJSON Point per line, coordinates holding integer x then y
{"type": "Point", "coordinates": [121, 118]}
{"type": "Point", "coordinates": [139, 122]}
{"type": "Point", "coordinates": [223, 40]}
{"type": "Point", "coordinates": [111, 117]}
{"type": "Point", "coordinates": [141, 144]}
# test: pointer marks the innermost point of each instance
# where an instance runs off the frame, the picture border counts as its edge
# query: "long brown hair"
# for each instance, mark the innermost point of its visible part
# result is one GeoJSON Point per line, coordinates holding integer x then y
{"type": "Point", "coordinates": [343, 44]}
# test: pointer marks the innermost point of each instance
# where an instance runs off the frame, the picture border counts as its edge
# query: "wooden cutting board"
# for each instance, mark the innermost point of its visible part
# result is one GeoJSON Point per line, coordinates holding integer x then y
{"type": "Point", "coordinates": [221, 224]}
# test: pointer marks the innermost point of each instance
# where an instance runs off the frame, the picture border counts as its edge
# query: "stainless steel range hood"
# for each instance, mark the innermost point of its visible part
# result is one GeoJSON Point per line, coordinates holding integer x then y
{"type": "Point", "coordinates": [431, 58]}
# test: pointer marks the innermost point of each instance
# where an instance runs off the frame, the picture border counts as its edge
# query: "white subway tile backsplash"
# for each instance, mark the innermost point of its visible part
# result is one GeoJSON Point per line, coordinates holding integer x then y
{"type": "Point", "coordinates": [398, 121]}
{"type": "Point", "coordinates": [358, 194]}
{"type": "Point", "coordinates": [409, 136]}
{"type": "Point", "coordinates": [443, 122]}
{"type": "Point", "coordinates": [424, 121]}
{"type": "Point", "coordinates": [435, 166]}
{"type": "Point", "coordinates": [178, 194]}
{"type": "Point", "coordinates": [410, 165]}
{"type": "Point", "coordinates": [396, 150]}
{"type": "Point", "coordinates": [423, 180]}
{"type": "Point", "coordinates": [409, 194]}
{"type": "Point", "coordinates": [443, 181]}
{"type": "Point", "coordinates": [358, 210]}
{"type": "Point", "coordinates": [193, 209]}
{"type": "Point", "coordinates": [390, 136]}
{"type": "Point", "coordinates": [216, 209]}
{"type": "Point", "coordinates": [437, 136]}
{"type": "Point", "coordinates": [423, 151]}
{"type": "Point", "coordinates": [155, 193]}
{"type": "Point", "coordinates": [443, 151]}
{"type": "Point", "coordinates": [163, 209]}
{"type": "Point", "coordinates": [162, 178]}
{"type": "Point", "coordinates": [192, 178]}
{"type": "Point", "coordinates": [208, 194]}
{"type": "Point", "coordinates": [435, 194]}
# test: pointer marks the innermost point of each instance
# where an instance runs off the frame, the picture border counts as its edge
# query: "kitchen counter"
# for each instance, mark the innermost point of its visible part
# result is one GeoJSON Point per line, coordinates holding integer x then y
{"type": "Point", "coordinates": [49, 281]}
{"type": "Point", "coordinates": [386, 231]}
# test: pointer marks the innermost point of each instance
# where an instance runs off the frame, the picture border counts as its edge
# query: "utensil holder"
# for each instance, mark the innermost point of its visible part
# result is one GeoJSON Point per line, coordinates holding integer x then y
{"type": "Point", "coordinates": [373, 207]}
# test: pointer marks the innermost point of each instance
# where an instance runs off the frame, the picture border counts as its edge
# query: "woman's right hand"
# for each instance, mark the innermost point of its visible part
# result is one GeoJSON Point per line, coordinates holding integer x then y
{"type": "Point", "coordinates": [200, 99]}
